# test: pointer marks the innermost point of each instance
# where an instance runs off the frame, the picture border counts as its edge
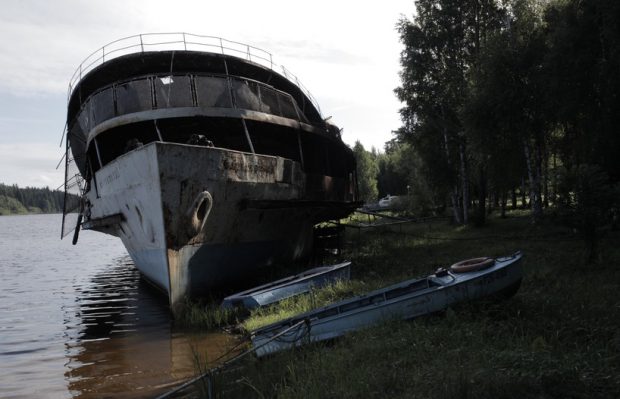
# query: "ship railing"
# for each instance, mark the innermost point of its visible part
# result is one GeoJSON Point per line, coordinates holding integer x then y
{"type": "Point", "coordinates": [181, 41]}
{"type": "Point", "coordinates": [74, 188]}
{"type": "Point", "coordinates": [107, 103]}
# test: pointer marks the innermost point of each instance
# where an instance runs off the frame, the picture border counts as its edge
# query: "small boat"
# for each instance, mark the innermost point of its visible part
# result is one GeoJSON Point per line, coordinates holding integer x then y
{"type": "Point", "coordinates": [463, 281]}
{"type": "Point", "coordinates": [288, 287]}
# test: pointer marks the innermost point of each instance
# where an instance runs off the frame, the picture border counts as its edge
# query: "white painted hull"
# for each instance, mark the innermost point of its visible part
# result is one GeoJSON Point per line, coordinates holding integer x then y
{"type": "Point", "coordinates": [186, 241]}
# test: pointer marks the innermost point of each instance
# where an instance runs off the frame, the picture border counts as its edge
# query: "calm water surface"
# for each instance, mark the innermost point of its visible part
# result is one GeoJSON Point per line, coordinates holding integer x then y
{"type": "Point", "coordinates": [77, 321]}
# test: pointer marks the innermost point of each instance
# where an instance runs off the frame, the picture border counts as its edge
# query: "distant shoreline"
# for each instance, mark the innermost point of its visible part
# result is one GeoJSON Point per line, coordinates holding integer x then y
{"type": "Point", "coordinates": [15, 200]}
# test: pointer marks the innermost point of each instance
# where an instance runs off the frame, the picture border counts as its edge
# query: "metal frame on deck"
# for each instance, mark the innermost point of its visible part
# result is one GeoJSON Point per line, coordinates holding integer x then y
{"type": "Point", "coordinates": [181, 41]}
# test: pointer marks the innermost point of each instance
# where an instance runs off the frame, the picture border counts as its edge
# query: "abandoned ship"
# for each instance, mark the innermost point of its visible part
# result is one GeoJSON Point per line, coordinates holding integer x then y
{"type": "Point", "coordinates": [203, 157]}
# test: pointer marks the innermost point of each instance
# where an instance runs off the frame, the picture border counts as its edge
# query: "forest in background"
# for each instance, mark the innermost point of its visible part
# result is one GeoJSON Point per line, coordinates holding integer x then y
{"type": "Point", "coordinates": [506, 103]}
{"type": "Point", "coordinates": [15, 200]}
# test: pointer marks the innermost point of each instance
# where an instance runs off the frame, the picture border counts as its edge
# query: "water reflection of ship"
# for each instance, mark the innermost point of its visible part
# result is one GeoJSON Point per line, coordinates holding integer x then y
{"type": "Point", "coordinates": [121, 342]}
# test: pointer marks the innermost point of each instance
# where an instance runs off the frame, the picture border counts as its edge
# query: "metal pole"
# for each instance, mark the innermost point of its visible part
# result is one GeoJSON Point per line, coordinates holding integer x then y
{"type": "Point", "coordinates": [103, 54]}
{"type": "Point", "coordinates": [229, 83]}
{"type": "Point", "coordinates": [64, 131]}
{"type": "Point", "coordinates": [247, 135]}
{"type": "Point", "coordinates": [98, 154]}
{"type": "Point", "coordinates": [301, 151]}
{"type": "Point", "coordinates": [158, 132]}
{"type": "Point", "coordinates": [141, 43]}
{"type": "Point", "coordinates": [184, 42]}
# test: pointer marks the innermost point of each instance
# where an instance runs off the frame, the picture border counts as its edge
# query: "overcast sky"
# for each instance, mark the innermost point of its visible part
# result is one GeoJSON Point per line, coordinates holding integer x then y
{"type": "Point", "coordinates": [346, 53]}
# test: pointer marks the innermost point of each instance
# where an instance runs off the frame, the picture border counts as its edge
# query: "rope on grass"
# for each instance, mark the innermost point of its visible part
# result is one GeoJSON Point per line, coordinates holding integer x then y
{"type": "Point", "coordinates": [228, 362]}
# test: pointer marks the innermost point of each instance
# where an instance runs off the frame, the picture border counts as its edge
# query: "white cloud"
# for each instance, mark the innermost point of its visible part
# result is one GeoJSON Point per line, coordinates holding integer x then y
{"type": "Point", "coordinates": [345, 53]}
{"type": "Point", "coordinates": [31, 164]}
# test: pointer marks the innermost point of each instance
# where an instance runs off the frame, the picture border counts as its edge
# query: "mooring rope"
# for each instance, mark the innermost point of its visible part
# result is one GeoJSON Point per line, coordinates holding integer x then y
{"type": "Point", "coordinates": [228, 362]}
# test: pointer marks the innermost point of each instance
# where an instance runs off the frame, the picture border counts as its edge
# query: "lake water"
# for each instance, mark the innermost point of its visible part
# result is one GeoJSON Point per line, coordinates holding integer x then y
{"type": "Point", "coordinates": [77, 321]}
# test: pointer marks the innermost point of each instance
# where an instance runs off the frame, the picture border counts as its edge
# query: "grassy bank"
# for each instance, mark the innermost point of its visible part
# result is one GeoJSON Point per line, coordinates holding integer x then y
{"type": "Point", "coordinates": [559, 337]}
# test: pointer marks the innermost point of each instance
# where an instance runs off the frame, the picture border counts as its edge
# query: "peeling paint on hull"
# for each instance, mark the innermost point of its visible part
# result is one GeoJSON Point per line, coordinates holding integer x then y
{"type": "Point", "coordinates": [185, 250]}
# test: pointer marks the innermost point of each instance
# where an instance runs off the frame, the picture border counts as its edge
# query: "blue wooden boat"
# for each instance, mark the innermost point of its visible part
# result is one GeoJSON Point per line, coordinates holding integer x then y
{"type": "Point", "coordinates": [463, 281]}
{"type": "Point", "coordinates": [288, 287]}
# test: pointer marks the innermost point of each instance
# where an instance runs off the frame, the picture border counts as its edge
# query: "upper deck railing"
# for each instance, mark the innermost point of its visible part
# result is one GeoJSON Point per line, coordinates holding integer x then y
{"type": "Point", "coordinates": [181, 41]}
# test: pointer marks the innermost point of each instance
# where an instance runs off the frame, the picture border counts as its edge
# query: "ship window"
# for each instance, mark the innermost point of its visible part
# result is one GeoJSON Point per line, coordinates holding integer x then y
{"type": "Point", "coordinates": [315, 154]}
{"type": "Point", "coordinates": [173, 91]}
{"type": "Point", "coordinates": [302, 116]}
{"type": "Point", "coordinates": [275, 140]}
{"type": "Point", "coordinates": [288, 108]}
{"type": "Point", "coordinates": [115, 142]}
{"type": "Point", "coordinates": [102, 106]}
{"type": "Point", "coordinates": [83, 118]}
{"type": "Point", "coordinates": [78, 147]}
{"type": "Point", "coordinates": [269, 101]}
{"type": "Point", "coordinates": [133, 96]}
{"type": "Point", "coordinates": [212, 92]}
{"type": "Point", "coordinates": [246, 95]}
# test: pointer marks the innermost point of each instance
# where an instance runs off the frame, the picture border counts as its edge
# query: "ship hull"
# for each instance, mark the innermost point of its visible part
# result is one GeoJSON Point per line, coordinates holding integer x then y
{"type": "Point", "coordinates": [179, 210]}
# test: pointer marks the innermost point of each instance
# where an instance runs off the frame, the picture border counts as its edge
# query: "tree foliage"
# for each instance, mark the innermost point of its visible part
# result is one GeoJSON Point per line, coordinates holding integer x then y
{"type": "Point", "coordinates": [442, 44]}
{"type": "Point", "coordinates": [514, 95]}
{"type": "Point", "coordinates": [366, 173]}
{"type": "Point", "coordinates": [14, 199]}
{"type": "Point", "coordinates": [585, 200]}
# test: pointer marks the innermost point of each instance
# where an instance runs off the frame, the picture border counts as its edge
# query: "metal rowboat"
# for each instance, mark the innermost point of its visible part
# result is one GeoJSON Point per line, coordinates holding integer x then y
{"type": "Point", "coordinates": [405, 300]}
{"type": "Point", "coordinates": [287, 287]}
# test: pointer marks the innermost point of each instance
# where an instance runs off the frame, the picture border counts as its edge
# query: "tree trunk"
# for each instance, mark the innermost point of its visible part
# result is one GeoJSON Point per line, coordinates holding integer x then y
{"type": "Point", "coordinates": [456, 209]}
{"type": "Point", "coordinates": [503, 203]}
{"type": "Point", "coordinates": [554, 183]}
{"type": "Point", "coordinates": [454, 198]}
{"type": "Point", "coordinates": [514, 198]}
{"type": "Point", "coordinates": [482, 200]}
{"type": "Point", "coordinates": [539, 153]}
{"type": "Point", "coordinates": [523, 191]}
{"type": "Point", "coordinates": [464, 183]}
{"type": "Point", "coordinates": [592, 243]}
{"type": "Point", "coordinates": [545, 163]}
{"type": "Point", "coordinates": [534, 178]}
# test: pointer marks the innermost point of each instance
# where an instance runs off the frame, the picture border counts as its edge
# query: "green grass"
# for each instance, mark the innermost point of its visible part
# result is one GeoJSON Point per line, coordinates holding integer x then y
{"type": "Point", "coordinates": [559, 337]}
{"type": "Point", "coordinates": [204, 315]}
{"type": "Point", "coordinates": [303, 303]}
{"type": "Point", "coordinates": [11, 206]}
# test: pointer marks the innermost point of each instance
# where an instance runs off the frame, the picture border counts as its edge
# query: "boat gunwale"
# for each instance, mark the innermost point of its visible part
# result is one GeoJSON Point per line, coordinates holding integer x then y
{"type": "Point", "coordinates": [297, 278]}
